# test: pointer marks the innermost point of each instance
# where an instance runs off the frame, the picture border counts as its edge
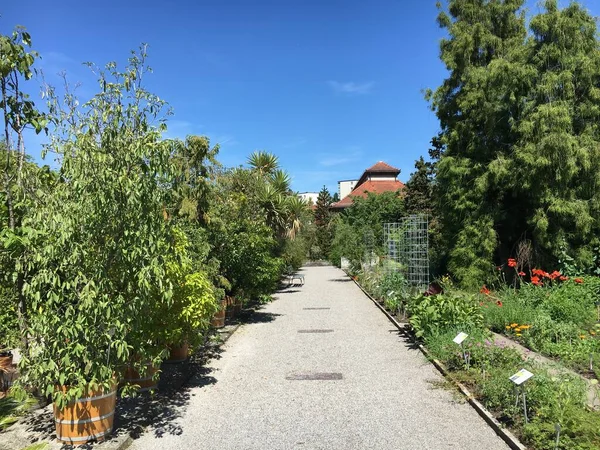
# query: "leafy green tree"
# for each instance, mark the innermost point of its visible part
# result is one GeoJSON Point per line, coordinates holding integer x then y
{"type": "Point", "coordinates": [418, 194]}
{"type": "Point", "coordinates": [322, 220]}
{"type": "Point", "coordinates": [518, 117]}
{"type": "Point", "coordinates": [364, 221]}
{"type": "Point", "coordinates": [335, 198]}
{"type": "Point", "coordinates": [240, 234]}
{"type": "Point", "coordinates": [101, 242]}
{"type": "Point", "coordinates": [20, 185]}
{"type": "Point", "coordinates": [195, 164]}
{"type": "Point", "coordinates": [557, 153]}
{"type": "Point", "coordinates": [477, 105]}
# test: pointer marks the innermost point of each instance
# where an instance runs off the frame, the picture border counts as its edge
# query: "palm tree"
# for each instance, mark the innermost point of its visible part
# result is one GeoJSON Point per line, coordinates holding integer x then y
{"type": "Point", "coordinates": [273, 205]}
{"type": "Point", "coordinates": [281, 181]}
{"type": "Point", "coordinates": [296, 209]}
{"type": "Point", "coordinates": [263, 162]}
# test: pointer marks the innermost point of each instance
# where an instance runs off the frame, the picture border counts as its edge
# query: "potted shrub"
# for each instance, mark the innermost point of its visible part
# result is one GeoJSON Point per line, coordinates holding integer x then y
{"type": "Point", "coordinates": [96, 248]}
{"type": "Point", "coordinates": [194, 301]}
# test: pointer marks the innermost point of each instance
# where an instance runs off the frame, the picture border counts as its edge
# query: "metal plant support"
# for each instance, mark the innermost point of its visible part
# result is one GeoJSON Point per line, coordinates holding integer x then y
{"type": "Point", "coordinates": [369, 256]}
{"type": "Point", "coordinates": [407, 249]}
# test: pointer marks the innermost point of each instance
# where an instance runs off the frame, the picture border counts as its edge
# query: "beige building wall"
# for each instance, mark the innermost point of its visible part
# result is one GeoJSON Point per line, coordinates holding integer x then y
{"type": "Point", "coordinates": [345, 187]}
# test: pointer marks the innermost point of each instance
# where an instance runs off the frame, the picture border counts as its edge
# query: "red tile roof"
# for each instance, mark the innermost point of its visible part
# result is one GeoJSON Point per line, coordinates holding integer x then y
{"type": "Point", "coordinates": [382, 167]}
{"type": "Point", "coordinates": [372, 186]}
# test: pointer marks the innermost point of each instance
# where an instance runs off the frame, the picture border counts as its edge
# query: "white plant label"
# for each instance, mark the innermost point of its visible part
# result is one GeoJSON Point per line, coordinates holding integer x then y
{"type": "Point", "coordinates": [521, 377]}
{"type": "Point", "coordinates": [460, 337]}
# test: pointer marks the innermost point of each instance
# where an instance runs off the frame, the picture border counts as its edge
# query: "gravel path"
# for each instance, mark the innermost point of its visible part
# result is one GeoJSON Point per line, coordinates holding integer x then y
{"type": "Point", "coordinates": [387, 397]}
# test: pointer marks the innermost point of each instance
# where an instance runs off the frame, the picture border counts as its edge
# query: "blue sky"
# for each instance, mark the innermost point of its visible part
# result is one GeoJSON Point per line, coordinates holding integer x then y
{"type": "Point", "coordinates": [331, 87]}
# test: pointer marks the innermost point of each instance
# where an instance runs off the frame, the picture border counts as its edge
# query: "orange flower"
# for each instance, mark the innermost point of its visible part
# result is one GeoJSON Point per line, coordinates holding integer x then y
{"type": "Point", "coordinates": [538, 272]}
{"type": "Point", "coordinates": [499, 303]}
{"type": "Point", "coordinates": [556, 274]}
{"type": "Point", "coordinates": [484, 290]}
{"type": "Point", "coordinates": [578, 280]}
{"type": "Point", "coordinates": [512, 262]}
{"type": "Point", "coordinates": [563, 278]}
{"type": "Point", "coordinates": [536, 281]}
{"type": "Point", "coordinates": [521, 274]}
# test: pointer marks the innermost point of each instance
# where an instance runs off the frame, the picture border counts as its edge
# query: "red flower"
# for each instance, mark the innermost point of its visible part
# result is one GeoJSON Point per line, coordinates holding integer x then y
{"type": "Point", "coordinates": [554, 275]}
{"type": "Point", "coordinates": [484, 290]}
{"type": "Point", "coordinates": [512, 262]}
{"type": "Point", "coordinates": [499, 303]}
{"type": "Point", "coordinates": [563, 278]}
{"type": "Point", "coordinates": [536, 280]}
{"type": "Point", "coordinates": [538, 272]}
{"type": "Point", "coordinates": [521, 274]}
{"type": "Point", "coordinates": [480, 303]}
{"type": "Point", "coordinates": [578, 280]}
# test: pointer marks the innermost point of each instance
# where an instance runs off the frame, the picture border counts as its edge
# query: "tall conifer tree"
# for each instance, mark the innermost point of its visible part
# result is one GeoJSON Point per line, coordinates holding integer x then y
{"type": "Point", "coordinates": [322, 220]}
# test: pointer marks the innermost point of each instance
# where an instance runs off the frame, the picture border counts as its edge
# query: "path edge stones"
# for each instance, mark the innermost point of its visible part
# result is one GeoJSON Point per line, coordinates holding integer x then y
{"type": "Point", "coordinates": [508, 437]}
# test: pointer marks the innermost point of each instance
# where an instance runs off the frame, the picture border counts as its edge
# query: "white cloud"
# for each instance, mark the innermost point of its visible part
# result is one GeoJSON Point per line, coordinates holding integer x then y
{"type": "Point", "coordinates": [351, 87]}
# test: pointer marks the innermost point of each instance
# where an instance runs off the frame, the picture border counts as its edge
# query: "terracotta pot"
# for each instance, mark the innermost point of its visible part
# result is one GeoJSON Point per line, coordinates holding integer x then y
{"type": "Point", "coordinates": [218, 320]}
{"type": "Point", "coordinates": [146, 382]}
{"type": "Point", "coordinates": [178, 353]}
{"type": "Point", "coordinates": [230, 311]}
{"type": "Point", "coordinates": [87, 419]}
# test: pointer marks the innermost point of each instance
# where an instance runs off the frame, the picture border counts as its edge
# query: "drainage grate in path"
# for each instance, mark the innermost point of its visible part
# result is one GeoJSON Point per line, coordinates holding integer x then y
{"type": "Point", "coordinates": [315, 331]}
{"type": "Point", "coordinates": [314, 376]}
{"type": "Point", "coordinates": [315, 309]}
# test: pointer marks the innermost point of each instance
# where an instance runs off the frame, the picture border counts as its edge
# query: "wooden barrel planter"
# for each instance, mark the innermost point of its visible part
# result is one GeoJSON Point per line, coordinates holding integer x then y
{"type": "Point", "coordinates": [218, 320]}
{"type": "Point", "coordinates": [230, 310]}
{"type": "Point", "coordinates": [178, 353]}
{"type": "Point", "coordinates": [237, 306]}
{"type": "Point", "coordinates": [6, 359]}
{"type": "Point", "coordinates": [146, 382]}
{"type": "Point", "coordinates": [87, 419]}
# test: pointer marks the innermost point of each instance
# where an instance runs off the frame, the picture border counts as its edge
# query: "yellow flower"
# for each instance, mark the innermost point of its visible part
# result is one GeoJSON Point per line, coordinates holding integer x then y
{"type": "Point", "coordinates": [593, 333]}
{"type": "Point", "coordinates": [582, 336]}
{"type": "Point", "coordinates": [514, 325]}
{"type": "Point", "coordinates": [518, 334]}
{"type": "Point", "coordinates": [525, 327]}
{"type": "Point", "coordinates": [508, 327]}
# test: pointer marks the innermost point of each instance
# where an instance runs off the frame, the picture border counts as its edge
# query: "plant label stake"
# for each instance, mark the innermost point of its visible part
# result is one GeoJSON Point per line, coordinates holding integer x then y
{"type": "Point", "coordinates": [519, 379]}
{"type": "Point", "coordinates": [557, 429]}
{"type": "Point", "coordinates": [459, 339]}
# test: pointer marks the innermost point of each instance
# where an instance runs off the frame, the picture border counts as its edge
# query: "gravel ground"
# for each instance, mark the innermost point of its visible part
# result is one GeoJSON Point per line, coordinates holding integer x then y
{"type": "Point", "coordinates": [387, 397]}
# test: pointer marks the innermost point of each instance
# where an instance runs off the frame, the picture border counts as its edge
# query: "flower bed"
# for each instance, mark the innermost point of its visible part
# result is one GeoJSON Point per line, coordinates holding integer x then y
{"type": "Point", "coordinates": [551, 314]}
{"type": "Point", "coordinates": [485, 367]}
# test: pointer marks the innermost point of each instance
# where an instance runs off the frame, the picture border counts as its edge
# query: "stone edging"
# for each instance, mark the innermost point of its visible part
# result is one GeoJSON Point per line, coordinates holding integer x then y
{"type": "Point", "coordinates": [508, 437]}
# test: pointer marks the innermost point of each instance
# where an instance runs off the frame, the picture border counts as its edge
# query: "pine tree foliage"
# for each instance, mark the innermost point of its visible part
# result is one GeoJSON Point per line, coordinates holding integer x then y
{"type": "Point", "coordinates": [419, 189]}
{"type": "Point", "coordinates": [519, 115]}
{"type": "Point", "coordinates": [322, 220]}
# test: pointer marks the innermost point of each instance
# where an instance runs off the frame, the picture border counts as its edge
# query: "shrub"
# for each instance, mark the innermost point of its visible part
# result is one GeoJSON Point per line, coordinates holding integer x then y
{"type": "Point", "coordinates": [429, 314]}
